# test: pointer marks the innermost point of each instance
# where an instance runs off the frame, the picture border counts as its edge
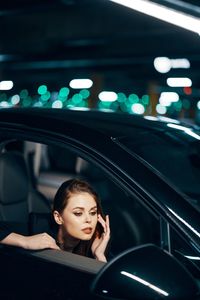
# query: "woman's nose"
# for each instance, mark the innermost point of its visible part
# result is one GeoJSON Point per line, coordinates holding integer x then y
{"type": "Point", "coordinates": [88, 218]}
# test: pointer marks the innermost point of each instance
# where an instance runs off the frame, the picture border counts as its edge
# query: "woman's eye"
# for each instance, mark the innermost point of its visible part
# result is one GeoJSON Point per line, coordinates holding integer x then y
{"type": "Point", "coordinates": [78, 214]}
{"type": "Point", "coordinates": [93, 213]}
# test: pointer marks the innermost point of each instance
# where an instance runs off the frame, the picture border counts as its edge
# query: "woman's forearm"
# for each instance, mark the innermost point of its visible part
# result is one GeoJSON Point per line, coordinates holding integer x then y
{"type": "Point", "coordinates": [15, 239]}
{"type": "Point", "coordinates": [35, 242]}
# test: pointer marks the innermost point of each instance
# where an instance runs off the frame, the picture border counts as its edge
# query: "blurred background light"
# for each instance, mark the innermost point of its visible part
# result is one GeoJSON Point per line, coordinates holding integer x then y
{"type": "Point", "coordinates": [108, 96]}
{"type": "Point", "coordinates": [57, 104]}
{"type": "Point", "coordinates": [6, 85]}
{"type": "Point", "coordinates": [163, 13]}
{"type": "Point", "coordinates": [81, 83]}
{"type": "Point", "coordinates": [179, 82]}
{"type": "Point", "coordinates": [42, 89]}
{"type": "Point", "coordinates": [180, 63]}
{"type": "Point", "coordinates": [161, 109]}
{"type": "Point", "coordinates": [166, 98]}
{"type": "Point", "coordinates": [5, 104]}
{"type": "Point", "coordinates": [164, 64]}
{"type": "Point", "coordinates": [15, 99]}
{"type": "Point", "coordinates": [138, 108]}
{"type": "Point", "coordinates": [63, 93]}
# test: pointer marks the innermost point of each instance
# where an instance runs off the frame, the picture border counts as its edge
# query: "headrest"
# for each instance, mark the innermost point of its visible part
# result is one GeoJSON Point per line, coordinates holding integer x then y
{"type": "Point", "coordinates": [13, 178]}
{"type": "Point", "coordinates": [61, 159]}
{"type": "Point", "coordinates": [88, 170]}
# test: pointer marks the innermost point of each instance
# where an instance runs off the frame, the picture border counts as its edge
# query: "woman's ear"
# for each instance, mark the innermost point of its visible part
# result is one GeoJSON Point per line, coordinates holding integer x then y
{"type": "Point", "coordinates": [57, 217]}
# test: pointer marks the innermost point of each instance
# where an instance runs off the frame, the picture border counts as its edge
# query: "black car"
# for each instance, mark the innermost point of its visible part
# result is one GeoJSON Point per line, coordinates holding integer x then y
{"type": "Point", "coordinates": [147, 172]}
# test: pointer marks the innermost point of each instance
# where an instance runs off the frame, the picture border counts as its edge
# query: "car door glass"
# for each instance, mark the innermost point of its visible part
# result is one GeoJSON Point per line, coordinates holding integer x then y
{"type": "Point", "coordinates": [181, 152]}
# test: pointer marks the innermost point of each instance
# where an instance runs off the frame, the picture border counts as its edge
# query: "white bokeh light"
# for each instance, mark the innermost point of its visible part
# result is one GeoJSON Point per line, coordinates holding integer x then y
{"type": "Point", "coordinates": [138, 108]}
{"type": "Point", "coordinates": [162, 64]}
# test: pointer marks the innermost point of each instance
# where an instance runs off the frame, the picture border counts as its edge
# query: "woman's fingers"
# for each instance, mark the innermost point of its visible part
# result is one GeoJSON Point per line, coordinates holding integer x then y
{"type": "Point", "coordinates": [102, 222]}
{"type": "Point", "coordinates": [108, 224]}
{"type": "Point", "coordinates": [41, 241]}
{"type": "Point", "coordinates": [105, 224]}
{"type": "Point", "coordinates": [50, 242]}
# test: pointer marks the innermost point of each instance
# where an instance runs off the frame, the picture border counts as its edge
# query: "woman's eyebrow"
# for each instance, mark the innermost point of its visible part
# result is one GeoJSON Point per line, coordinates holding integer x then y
{"type": "Point", "coordinates": [78, 207]}
{"type": "Point", "coordinates": [82, 208]}
{"type": "Point", "coordinates": [94, 207]}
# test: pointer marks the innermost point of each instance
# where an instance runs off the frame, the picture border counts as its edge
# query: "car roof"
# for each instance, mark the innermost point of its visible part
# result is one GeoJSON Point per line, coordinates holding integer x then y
{"type": "Point", "coordinates": [109, 123]}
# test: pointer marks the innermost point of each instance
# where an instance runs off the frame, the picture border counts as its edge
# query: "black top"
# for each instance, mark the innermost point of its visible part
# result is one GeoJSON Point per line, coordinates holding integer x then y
{"type": "Point", "coordinates": [38, 223]}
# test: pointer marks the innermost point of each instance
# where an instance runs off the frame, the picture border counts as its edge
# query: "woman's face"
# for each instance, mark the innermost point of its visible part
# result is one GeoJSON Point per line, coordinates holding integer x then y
{"type": "Point", "coordinates": [79, 218]}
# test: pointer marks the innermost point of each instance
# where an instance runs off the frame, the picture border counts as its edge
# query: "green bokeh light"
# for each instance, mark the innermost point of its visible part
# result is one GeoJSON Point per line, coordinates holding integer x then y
{"type": "Point", "coordinates": [76, 99]}
{"type": "Point", "coordinates": [104, 104]}
{"type": "Point", "coordinates": [121, 97]}
{"type": "Point", "coordinates": [114, 106]}
{"type": "Point", "coordinates": [84, 93]}
{"type": "Point", "coordinates": [178, 105]}
{"type": "Point", "coordinates": [123, 107]}
{"type": "Point", "coordinates": [23, 94]}
{"type": "Point", "coordinates": [45, 97]}
{"type": "Point", "coordinates": [63, 93]}
{"type": "Point", "coordinates": [42, 89]}
{"type": "Point", "coordinates": [145, 99]}
{"type": "Point", "coordinates": [26, 102]}
{"type": "Point", "coordinates": [186, 104]}
{"type": "Point", "coordinates": [133, 98]}
{"type": "Point", "coordinates": [3, 97]}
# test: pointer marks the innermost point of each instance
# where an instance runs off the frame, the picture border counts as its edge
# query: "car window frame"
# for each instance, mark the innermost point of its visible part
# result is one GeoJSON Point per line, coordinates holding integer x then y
{"type": "Point", "coordinates": [82, 150]}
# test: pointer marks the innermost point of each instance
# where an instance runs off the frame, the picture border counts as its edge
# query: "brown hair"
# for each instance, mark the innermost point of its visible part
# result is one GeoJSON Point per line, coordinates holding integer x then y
{"type": "Point", "coordinates": [65, 191]}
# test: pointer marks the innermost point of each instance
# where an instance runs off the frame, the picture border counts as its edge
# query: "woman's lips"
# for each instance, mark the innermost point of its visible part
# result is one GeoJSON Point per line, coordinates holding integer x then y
{"type": "Point", "coordinates": [87, 230]}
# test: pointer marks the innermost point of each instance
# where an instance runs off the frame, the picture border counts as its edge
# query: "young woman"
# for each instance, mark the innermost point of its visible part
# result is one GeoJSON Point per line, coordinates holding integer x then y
{"type": "Point", "coordinates": [77, 224]}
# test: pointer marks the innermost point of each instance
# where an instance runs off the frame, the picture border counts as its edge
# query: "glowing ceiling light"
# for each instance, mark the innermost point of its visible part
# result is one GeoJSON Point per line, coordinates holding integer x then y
{"type": "Point", "coordinates": [81, 83]}
{"type": "Point", "coordinates": [166, 98]}
{"type": "Point", "coordinates": [163, 13]}
{"type": "Point", "coordinates": [108, 96]}
{"type": "Point", "coordinates": [162, 64]}
{"type": "Point", "coordinates": [179, 82]}
{"type": "Point", "coordinates": [6, 85]}
{"type": "Point", "coordinates": [180, 63]}
{"type": "Point", "coordinates": [165, 64]}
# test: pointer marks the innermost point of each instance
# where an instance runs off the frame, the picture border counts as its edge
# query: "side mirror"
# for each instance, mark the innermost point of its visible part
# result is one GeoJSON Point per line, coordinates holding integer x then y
{"type": "Point", "coordinates": [144, 272]}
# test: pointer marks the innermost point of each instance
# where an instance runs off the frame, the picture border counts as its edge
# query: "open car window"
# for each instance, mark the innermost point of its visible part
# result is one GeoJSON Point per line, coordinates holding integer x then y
{"type": "Point", "coordinates": [49, 166]}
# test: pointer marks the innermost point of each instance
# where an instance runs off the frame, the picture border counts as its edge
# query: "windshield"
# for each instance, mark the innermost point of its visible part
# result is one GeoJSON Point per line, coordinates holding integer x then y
{"type": "Point", "coordinates": [174, 152]}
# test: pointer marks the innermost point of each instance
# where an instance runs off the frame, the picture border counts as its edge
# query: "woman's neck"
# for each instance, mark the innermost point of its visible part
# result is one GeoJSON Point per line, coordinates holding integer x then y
{"type": "Point", "coordinates": [65, 241]}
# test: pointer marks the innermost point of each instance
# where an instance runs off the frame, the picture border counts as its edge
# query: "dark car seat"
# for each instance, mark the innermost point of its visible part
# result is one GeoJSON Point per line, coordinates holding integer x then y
{"type": "Point", "coordinates": [56, 166]}
{"type": "Point", "coordinates": [17, 196]}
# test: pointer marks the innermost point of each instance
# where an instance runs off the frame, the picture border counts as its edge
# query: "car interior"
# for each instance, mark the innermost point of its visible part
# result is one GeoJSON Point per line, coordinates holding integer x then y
{"type": "Point", "coordinates": [31, 174]}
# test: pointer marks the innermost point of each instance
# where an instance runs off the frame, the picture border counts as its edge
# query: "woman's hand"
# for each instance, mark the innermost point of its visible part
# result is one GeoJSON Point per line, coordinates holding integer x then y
{"type": "Point", "coordinates": [39, 242]}
{"type": "Point", "coordinates": [100, 243]}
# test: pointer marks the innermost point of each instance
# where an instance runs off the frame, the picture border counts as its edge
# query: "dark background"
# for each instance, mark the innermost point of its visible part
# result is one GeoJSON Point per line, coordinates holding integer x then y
{"type": "Point", "coordinates": [52, 42]}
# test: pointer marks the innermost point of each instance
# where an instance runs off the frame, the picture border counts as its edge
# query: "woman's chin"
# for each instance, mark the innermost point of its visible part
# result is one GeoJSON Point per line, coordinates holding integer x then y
{"type": "Point", "coordinates": [86, 237]}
